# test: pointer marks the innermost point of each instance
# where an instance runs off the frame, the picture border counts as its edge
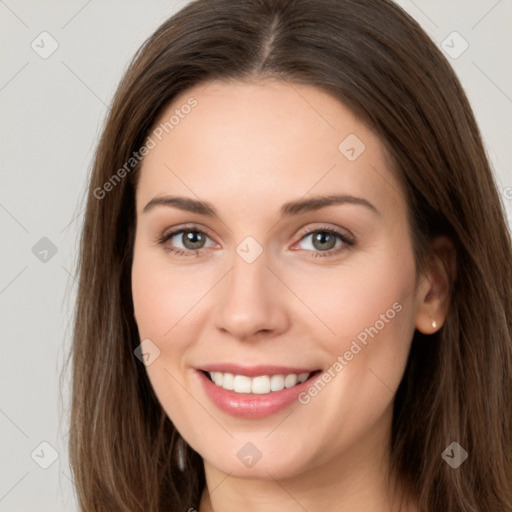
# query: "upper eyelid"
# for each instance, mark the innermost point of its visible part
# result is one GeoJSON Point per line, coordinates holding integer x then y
{"type": "Point", "coordinates": [337, 231]}
{"type": "Point", "coordinates": [174, 231]}
{"type": "Point", "coordinates": [168, 235]}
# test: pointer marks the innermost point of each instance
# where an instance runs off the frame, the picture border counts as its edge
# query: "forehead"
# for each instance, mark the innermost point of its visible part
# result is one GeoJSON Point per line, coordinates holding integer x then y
{"type": "Point", "coordinates": [262, 141]}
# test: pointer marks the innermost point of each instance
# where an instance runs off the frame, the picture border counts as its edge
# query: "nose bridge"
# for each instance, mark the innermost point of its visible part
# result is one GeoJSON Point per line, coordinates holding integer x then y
{"type": "Point", "coordinates": [248, 302]}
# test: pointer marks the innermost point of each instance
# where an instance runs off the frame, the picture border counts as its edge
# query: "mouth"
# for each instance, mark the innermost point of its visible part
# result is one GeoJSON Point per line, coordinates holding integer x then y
{"type": "Point", "coordinates": [260, 384]}
{"type": "Point", "coordinates": [254, 392]}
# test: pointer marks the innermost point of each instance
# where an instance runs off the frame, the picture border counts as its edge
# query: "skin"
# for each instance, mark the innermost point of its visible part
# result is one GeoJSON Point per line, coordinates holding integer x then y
{"type": "Point", "coordinates": [247, 148]}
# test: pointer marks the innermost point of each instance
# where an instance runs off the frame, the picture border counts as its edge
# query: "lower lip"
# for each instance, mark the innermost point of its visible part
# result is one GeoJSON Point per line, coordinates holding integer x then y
{"type": "Point", "coordinates": [251, 406]}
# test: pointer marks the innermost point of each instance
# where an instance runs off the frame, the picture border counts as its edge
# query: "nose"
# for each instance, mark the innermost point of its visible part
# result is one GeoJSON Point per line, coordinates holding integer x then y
{"type": "Point", "coordinates": [250, 302]}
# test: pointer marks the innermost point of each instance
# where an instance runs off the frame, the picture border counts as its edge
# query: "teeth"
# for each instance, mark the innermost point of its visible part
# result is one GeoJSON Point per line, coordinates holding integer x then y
{"type": "Point", "coordinates": [242, 384]}
{"type": "Point", "coordinates": [229, 381]}
{"type": "Point", "coordinates": [217, 377]}
{"type": "Point", "coordinates": [277, 382]}
{"type": "Point", "coordinates": [290, 380]}
{"type": "Point", "coordinates": [260, 385]}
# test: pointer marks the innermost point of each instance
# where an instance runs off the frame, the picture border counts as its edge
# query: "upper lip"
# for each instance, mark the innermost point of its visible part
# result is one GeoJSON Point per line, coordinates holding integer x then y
{"type": "Point", "coordinates": [254, 371]}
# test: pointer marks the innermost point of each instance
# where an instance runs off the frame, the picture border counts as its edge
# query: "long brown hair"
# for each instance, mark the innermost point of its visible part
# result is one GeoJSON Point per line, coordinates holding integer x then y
{"type": "Point", "coordinates": [125, 453]}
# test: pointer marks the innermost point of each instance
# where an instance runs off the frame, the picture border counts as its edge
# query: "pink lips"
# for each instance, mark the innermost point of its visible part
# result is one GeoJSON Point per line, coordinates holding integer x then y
{"type": "Point", "coordinates": [248, 405]}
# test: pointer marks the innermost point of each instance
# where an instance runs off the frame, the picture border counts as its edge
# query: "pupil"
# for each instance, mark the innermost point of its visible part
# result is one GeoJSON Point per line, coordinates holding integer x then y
{"type": "Point", "coordinates": [324, 238]}
{"type": "Point", "coordinates": [193, 240]}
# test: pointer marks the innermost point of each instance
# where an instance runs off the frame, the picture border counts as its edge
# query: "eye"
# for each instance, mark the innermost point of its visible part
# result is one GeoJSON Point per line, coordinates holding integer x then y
{"type": "Point", "coordinates": [190, 241]}
{"type": "Point", "coordinates": [185, 241]}
{"type": "Point", "coordinates": [326, 242]}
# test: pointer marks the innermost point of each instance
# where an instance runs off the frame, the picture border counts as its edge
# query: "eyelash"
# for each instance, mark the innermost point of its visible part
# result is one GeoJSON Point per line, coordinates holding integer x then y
{"type": "Point", "coordinates": [347, 241]}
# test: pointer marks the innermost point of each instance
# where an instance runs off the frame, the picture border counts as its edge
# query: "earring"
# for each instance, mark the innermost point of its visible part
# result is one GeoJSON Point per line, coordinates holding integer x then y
{"type": "Point", "coordinates": [434, 324]}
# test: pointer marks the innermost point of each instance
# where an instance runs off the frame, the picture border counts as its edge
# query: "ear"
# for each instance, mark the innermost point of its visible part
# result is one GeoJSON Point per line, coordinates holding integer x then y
{"type": "Point", "coordinates": [435, 286]}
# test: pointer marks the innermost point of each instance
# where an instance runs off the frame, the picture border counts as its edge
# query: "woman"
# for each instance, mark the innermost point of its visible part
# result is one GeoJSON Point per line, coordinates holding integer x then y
{"type": "Point", "coordinates": [297, 267]}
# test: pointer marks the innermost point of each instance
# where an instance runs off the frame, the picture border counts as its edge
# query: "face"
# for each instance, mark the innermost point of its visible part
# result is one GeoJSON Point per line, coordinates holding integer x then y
{"type": "Point", "coordinates": [273, 250]}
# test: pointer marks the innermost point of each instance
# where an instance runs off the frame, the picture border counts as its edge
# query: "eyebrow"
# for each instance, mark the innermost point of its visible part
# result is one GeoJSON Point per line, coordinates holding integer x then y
{"type": "Point", "coordinates": [295, 207]}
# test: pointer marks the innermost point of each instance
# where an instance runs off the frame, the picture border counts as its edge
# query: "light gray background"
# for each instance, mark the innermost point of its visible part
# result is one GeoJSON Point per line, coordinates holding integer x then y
{"type": "Point", "coordinates": [52, 111]}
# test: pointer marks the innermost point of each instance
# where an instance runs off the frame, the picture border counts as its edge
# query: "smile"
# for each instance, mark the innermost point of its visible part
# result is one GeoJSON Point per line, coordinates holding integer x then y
{"type": "Point", "coordinates": [260, 385]}
{"type": "Point", "coordinates": [254, 392]}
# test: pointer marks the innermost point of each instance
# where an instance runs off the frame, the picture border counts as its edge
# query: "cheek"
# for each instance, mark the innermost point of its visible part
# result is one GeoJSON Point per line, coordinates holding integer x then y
{"type": "Point", "coordinates": [369, 309]}
{"type": "Point", "coordinates": [159, 305]}
{"type": "Point", "coordinates": [369, 297]}
{"type": "Point", "coordinates": [164, 305]}
{"type": "Point", "coordinates": [372, 318]}
{"type": "Point", "coordinates": [163, 297]}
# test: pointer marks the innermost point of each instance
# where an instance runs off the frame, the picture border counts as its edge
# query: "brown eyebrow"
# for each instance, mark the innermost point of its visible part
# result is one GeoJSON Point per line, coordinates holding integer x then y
{"type": "Point", "coordinates": [288, 209]}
